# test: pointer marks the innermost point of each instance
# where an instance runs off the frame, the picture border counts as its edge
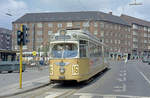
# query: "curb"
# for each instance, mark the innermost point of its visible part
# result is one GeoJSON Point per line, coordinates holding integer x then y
{"type": "Point", "coordinates": [24, 91]}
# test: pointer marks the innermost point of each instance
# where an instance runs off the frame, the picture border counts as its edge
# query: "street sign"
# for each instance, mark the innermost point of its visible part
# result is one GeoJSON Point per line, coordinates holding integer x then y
{"type": "Point", "coordinates": [34, 53]}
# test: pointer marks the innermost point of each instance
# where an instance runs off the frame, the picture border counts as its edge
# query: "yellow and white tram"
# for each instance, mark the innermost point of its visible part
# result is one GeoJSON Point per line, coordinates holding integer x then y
{"type": "Point", "coordinates": [76, 55]}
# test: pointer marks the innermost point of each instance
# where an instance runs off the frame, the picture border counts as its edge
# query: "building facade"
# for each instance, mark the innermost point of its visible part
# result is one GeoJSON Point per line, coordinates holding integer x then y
{"type": "Point", "coordinates": [140, 31]}
{"type": "Point", "coordinates": [5, 39]}
{"type": "Point", "coordinates": [110, 29]}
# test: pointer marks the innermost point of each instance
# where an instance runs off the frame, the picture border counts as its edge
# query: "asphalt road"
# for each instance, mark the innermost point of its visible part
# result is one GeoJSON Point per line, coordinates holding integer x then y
{"type": "Point", "coordinates": [131, 80]}
{"type": "Point", "coordinates": [7, 79]}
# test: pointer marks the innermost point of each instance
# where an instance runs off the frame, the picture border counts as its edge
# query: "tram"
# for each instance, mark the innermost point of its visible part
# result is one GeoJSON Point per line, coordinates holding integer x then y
{"type": "Point", "coordinates": [76, 55]}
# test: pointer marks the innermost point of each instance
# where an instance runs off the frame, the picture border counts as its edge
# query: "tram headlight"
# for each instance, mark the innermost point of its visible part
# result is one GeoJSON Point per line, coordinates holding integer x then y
{"type": "Point", "coordinates": [75, 69]}
{"type": "Point", "coordinates": [62, 70]}
{"type": "Point", "coordinates": [51, 69]}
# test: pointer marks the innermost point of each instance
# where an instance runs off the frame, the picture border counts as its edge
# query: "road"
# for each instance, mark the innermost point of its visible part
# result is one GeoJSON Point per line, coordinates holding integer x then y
{"type": "Point", "coordinates": [131, 80]}
{"type": "Point", "coordinates": [7, 79]}
{"type": "Point", "coordinates": [123, 81]}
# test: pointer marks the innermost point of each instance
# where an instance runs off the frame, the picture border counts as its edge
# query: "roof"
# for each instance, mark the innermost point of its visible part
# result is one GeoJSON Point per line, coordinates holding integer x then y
{"type": "Point", "coordinates": [4, 30]}
{"type": "Point", "coordinates": [133, 20]}
{"type": "Point", "coordinates": [70, 16]}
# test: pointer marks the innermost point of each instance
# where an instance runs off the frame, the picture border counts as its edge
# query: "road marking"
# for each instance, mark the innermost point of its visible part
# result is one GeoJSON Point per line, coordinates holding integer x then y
{"type": "Point", "coordinates": [124, 78]}
{"type": "Point", "coordinates": [84, 96]}
{"type": "Point", "coordinates": [124, 87]}
{"type": "Point", "coordinates": [143, 75]}
{"type": "Point", "coordinates": [109, 96]}
{"type": "Point", "coordinates": [53, 94]}
{"type": "Point", "coordinates": [117, 87]}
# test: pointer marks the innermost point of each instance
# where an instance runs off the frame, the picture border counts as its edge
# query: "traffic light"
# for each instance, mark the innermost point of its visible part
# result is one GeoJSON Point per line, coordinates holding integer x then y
{"type": "Point", "coordinates": [25, 35]}
{"type": "Point", "coordinates": [19, 37]}
{"type": "Point", "coordinates": [22, 36]}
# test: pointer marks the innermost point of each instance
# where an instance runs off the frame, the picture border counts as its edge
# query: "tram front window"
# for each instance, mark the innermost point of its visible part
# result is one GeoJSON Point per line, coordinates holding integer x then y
{"type": "Point", "coordinates": [64, 50]}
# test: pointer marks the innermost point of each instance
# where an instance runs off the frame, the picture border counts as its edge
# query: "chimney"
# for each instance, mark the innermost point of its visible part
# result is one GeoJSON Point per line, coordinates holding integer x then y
{"type": "Point", "coordinates": [110, 13]}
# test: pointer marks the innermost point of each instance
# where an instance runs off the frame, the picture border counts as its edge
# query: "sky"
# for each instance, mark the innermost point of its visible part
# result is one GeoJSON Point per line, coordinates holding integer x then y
{"type": "Point", "coordinates": [18, 8]}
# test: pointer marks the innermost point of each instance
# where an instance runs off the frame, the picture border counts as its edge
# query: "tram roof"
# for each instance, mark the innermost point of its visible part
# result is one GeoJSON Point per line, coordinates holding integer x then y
{"type": "Point", "coordinates": [81, 33]}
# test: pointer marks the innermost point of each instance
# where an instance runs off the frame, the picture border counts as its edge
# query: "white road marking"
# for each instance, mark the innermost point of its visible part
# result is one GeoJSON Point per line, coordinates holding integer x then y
{"type": "Point", "coordinates": [118, 87]}
{"type": "Point", "coordinates": [84, 96]}
{"type": "Point", "coordinates": [53, 94]}
{"type": "Point", "coordinates": [120, 75]}
{"type": "Point", "coordinates": [125, 74]}
{"type": "Point", "coordinates": [124, 87]}
{"type": "Point", "coordinates": [108, 96]}
{"type": "Point", "coordinates": [143, 75]}
{"type": "Point", "coordinates": [124, 78]}
{"type": "Point", "coordinates": [119, 79]}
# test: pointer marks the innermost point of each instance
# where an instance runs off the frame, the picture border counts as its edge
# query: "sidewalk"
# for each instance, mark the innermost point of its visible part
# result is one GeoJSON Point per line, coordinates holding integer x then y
{"type": "Point", "coordinates": [26, 86]}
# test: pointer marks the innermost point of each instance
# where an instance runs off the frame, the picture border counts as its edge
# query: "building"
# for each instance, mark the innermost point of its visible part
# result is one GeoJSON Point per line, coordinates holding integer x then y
{"type": "Point", "coordinates": [6, 45]}
{"type": "Point", "coordinates": [140, 30]}
{"type": "Point", "coordinates": [5, 39]}
{"type": "Point", "coordinates": [112, 30]}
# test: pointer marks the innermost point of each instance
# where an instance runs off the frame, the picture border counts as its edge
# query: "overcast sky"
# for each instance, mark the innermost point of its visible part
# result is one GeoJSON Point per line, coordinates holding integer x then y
{"type": "Point", "coordinates": [19, 7]}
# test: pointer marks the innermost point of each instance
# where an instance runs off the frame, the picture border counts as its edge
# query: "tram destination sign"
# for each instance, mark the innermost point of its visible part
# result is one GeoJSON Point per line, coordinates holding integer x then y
{"type": "Point", "coordinates": [62, 37]}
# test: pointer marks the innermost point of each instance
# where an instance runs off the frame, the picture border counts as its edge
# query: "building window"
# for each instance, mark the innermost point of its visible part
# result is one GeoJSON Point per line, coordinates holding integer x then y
{"type": "Point", "coordinates": [115, 41]}
{"type": "Point", "coordinates": [95, 32]}
{"type": "Point", "coordinates": [111, 41]}
{"type": "Point", "coordinates": [129, 43]}
{"type": "Point", "coordinates": [69, 24]}
{"type": "Point", "coordinates": [102, 33]}
{"type": "Point", "coordinates": [85, 24]}
{"type": "Point", "coordinates": [135, 39]}
{"type": "Point", "coordinates": [39, 25]}
{"type": "Point", "coordinates": [148, 29]}
{"type": "Point", "coordinates": [145, 28]}
{"type": "Point", "coordinates": [129, 29]}
{"type": "Point", "coordinates": [145, 41]}
{"type": "Point", "coordinates": [50, 25]}
{"type": "Point", "coordinates": [95, 24]}
{"type": "Point", "coordinates": [135, 46]}
{"type": "Point", "coordinates": [129, 36]}
{"type": "Point", "coordinates": [50, 32]}
{"type": "Point", "coordinates": [106, 41]}
{"type": "Point", "coordinates": [59, 25]}
{"type": "Point", "coordinates": [39, 32]}
{"type": "Point", "coordinates": [145, 35]}
{"type": "Point", "coordinates": [134, 33]}
{"type": "Point", "coordinates": [101, 24]}
{"type": "Point", "coordinates": [118, 41]}
{"type": "Point", "coordinates": [39, 39]}
{"type": "Point", "coordinates": [135, 26]}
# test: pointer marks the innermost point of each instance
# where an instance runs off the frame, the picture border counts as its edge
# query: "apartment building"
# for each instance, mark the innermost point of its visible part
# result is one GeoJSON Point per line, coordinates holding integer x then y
{"type": "Point", "coordinates": [140, 30]}
{"type": "Point", "coordinates": [5, 39]}
{"type": "Point", "coordinates": [111, 29]}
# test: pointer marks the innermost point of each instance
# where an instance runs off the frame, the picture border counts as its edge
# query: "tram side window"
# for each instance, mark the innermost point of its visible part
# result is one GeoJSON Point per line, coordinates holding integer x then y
{"type": "Point", "coordinates": [83, 48]}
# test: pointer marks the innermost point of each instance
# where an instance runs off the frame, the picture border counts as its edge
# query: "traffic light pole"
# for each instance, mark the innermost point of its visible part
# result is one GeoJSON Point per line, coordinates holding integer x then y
{"type": "Point", "coordinates": [20, 80]}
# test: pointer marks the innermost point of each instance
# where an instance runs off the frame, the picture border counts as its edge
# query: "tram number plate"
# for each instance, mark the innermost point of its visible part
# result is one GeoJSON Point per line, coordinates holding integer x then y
{"type": "Point", "coordinates": [75, 70]}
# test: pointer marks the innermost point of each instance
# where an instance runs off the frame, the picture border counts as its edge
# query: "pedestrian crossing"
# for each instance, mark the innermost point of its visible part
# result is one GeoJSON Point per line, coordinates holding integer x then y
{"type": "Point", "coordinates": [90, 95]}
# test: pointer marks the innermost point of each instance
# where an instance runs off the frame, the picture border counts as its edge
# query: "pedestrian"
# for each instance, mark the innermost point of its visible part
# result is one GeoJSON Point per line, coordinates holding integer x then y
{"type": "Point", "coordinates": [126, 60]}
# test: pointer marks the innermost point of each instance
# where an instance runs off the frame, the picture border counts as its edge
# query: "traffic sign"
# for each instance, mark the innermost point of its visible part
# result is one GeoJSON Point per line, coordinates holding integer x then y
{"type": "Point", "coordinates": [34, 53]}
